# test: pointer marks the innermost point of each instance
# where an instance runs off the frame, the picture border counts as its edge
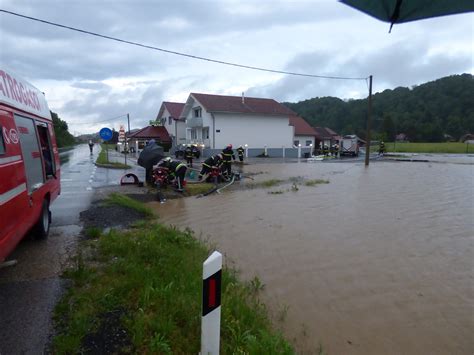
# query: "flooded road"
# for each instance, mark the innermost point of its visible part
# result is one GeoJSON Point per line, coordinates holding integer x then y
{"type": "Point", "coordinates": [378, 261]}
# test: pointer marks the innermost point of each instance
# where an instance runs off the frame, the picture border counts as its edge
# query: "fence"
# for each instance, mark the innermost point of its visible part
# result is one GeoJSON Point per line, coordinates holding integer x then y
{"type": "Point", "coordinates": [271, 152]}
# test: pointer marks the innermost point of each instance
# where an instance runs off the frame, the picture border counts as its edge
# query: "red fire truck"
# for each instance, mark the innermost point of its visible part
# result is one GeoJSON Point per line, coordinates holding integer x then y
{"type": "Point", "coordinates": [29, 162]}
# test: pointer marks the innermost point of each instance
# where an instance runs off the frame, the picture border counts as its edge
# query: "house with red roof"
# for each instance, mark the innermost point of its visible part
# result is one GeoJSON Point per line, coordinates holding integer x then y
{"type": "Point", "coordinates": [169, 117]}
{"type": "Point", "coordinates": [139, 139]}
{"type": "Point", "coordinates": [218, 120]}
{"type": "Point", "coordinates": [303, 134]}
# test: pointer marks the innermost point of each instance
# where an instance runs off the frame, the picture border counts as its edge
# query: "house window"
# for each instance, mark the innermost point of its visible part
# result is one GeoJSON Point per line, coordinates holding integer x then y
{"type": "Point", "coordinates": [205, 133]}
{"type": "Point", "coordinates": [170, 120]}
{"type": "Point", "coordinates": [197, 112]}
{"type": "Point", "coordinates": [308, 143]}
{"type": "Point", "coordinates": [193, 134]}
{"type": "Point", "coordinates": [296, 143]}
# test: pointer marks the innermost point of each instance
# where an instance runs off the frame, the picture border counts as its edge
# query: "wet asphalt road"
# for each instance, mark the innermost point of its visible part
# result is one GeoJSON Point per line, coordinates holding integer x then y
{"type": "Point", "coordinates": [30, 290]}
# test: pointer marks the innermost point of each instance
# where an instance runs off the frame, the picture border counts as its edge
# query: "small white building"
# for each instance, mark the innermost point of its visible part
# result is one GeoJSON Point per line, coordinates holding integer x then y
{"type": "Point", "coordinates": [218, 120]}
{"type": "Point", "coordinates": [170, 117]}
{"type": "Point", "coordinates": [304, 135]}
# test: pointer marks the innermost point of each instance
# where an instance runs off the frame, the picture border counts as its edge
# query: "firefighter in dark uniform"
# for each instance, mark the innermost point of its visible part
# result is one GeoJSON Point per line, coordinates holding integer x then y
{"type": "Point", "coordinates": [212, 162]}
{"type": "Point", "coordinates": [240, 153]}
{"type": "Point", "coordinates": [227, 157]}
{"type": "Point", "coordinates": [188, 155]}
{"type": "Point", "coordinates": [381, 148]}
{"type": "Point", "coordinates": [325, 150]}
{"type": "Point", "coordinates": [177, 169]}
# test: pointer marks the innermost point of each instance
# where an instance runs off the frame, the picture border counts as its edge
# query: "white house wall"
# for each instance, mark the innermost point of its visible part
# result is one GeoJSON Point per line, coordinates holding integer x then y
{"type": "Point", "coordinates": [176, 130]}
{"type": "Point", "coordinates": [180, 132]}
{"type": "Point", "coordinates": [169, 127]}
{"type": "Point", "coordinates": [303, 140]}
{"type": "Point", "coordinates": [255, 131]}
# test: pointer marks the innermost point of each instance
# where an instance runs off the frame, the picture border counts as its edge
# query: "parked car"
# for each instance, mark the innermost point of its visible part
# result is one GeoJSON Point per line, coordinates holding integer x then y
{"type": "Point", "coordinates": [179, 153]}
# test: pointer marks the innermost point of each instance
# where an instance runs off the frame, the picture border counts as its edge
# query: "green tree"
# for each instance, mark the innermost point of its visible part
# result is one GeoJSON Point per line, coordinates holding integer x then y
{"type": "Point", "coordinates": [63, 137]}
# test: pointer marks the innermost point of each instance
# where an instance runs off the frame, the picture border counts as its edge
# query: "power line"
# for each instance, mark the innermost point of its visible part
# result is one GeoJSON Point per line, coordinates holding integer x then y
{"type": "Point", "coordinates": [179, 53]}
{"type": "Point", "coordinates": [107, 120]}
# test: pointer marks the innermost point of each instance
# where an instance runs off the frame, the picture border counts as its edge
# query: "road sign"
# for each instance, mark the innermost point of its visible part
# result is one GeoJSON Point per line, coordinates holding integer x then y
{"type": "Point", "coordinates": [106, 134]}
{"type": "Point", "coordinates": [121, 137]}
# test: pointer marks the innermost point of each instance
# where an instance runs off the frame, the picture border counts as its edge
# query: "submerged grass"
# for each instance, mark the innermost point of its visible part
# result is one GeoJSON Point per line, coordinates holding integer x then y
{"type": "Point", "coordinates": [153, 275]}
{"type": "Point", "coordinates": [265, 183]}
{"type": "Point", "coordinates": [197, 189]}
{"type": "Point", "coordinates": [315, 182]}
{"type": "Point", "coordinates": [125, 201]}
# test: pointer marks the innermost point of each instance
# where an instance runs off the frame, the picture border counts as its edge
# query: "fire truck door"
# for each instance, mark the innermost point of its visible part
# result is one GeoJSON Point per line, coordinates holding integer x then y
{"type": "Point", "coordinates": [31, 152]}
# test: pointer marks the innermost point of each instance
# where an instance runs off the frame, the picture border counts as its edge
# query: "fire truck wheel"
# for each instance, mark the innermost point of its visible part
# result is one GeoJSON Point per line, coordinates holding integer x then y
{"type": "Point", "coordinates": [44, 221]}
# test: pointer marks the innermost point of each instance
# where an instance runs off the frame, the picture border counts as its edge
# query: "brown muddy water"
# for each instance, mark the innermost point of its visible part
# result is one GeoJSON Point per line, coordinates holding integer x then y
{"type": "Point", "coordinates": [378, 261]}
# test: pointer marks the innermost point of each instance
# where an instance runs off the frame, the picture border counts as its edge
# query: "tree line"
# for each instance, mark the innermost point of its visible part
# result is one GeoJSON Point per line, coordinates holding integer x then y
{"type": "Point", "coordinates": [436, 111]}
{"type": "Point", "coordinates": [63, 137]}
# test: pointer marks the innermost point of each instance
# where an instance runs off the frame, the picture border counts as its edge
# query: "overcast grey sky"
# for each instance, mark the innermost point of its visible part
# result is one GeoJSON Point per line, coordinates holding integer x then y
{"type": "Point", "coordinates": [89, 79]}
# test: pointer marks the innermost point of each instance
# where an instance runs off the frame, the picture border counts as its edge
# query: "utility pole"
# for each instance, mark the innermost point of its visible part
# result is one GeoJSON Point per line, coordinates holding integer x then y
{"type": "Point", "coordinates": [369, 118]}
{"type": "Point", "coordinates": [126, 138]}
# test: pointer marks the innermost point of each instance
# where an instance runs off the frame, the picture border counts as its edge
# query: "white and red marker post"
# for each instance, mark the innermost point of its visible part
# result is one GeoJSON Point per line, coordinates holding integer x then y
{"type": "Point", "coordinates": [211, 304]}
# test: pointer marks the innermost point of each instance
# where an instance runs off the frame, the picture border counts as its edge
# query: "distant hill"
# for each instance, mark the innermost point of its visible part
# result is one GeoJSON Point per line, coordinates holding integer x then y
{"type": "Point", "coordinates": [428, 112]}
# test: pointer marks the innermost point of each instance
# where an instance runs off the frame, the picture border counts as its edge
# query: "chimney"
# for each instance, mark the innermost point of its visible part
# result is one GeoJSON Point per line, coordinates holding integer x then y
{"type": "Point", "coordinates": [243, 98]}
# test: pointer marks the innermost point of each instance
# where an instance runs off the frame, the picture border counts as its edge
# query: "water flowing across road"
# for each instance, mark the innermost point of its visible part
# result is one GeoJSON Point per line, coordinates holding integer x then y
{"type": "Point", "coordinates": [378, 261]}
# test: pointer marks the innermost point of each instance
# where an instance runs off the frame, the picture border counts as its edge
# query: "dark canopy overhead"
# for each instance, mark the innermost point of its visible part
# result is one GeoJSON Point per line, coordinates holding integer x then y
{"type": "Point", "coordinates": [399, 11]}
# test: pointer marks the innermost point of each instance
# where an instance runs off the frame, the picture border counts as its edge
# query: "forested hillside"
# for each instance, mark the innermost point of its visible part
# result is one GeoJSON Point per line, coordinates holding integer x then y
{"type": "Point", "coordinates": [63, 137]}
{"type": "Point", "coordinates": [424, 113]}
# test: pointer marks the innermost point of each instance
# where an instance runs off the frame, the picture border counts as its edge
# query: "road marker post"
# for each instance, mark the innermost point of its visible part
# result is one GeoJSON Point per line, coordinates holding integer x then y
{"type": "Point", "coordinates": [211, 304]}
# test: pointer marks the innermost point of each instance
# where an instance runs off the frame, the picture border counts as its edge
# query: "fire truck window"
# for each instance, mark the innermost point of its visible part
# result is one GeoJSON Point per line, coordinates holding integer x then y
{"type": "Point", "coordinates": [2, 143]}
{"type": "Point", "coordinates": [46, 151]}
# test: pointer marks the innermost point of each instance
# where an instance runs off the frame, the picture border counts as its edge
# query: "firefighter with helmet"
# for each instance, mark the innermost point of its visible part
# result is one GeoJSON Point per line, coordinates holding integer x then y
{"type": "Point", "coordinates": [210, 163]}
{"type": "Point", "coordinates": [240, 153]}
{"type": "Point", "coordinates": [177, 169]}
{"type": "Point", "coordinates": [227, 157]}
{"type": "Point", "coordinates": [188, 155]}
{"type": "Point", "coordinates": [381, 148]}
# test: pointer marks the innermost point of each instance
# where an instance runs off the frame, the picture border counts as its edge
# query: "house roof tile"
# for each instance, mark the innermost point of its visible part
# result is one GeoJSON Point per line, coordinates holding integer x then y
{"type": "Point", "coordinates": [153, 132]}
{"type": "Point", "coordinates": [174, 108]}
{"type": "Point", "coordinates": [301, 126]}
{"type": "Point", "coordinates": [237, 104]}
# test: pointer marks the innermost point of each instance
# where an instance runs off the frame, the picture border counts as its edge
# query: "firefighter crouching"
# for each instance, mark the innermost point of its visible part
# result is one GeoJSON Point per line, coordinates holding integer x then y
{"type": "Point", "coordinates": [214, 161]}
{"type": "Point", "coordinates": [177, 169]}
{"type": "Point", "coordinates": [227, 155]}
{"type": "Point", "coordinates": [240, 153]}
{"type": "Point", "coordinates": [188, 154]}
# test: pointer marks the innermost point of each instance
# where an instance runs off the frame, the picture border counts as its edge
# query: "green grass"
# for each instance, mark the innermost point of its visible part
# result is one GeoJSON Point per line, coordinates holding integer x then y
{"type": "Point", "coordinates": [449, 147]}
{"type": "Point", "coordinates": [125, 201]}
{"type": "Point", "coordinates": [102, 158]}
{"type": "Point", "coordinates": [197, 189]}
{"type": "Point", "coordinates": [153, 275]}
{"type": "Point", "coordinates": [315, 182]}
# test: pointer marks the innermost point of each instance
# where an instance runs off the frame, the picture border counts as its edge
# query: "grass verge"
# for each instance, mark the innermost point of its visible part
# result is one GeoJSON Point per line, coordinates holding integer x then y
{"type": "Point", "coordinates": [125, 201]}
{"type": "Point", "coordinates": [146, 284]}
{"type": "Point", "coordinates": [197, 189]}
{"type": "Point", "coordinates": [449, 147]}
{"type": "Point", "coordinates": [102, 159]}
